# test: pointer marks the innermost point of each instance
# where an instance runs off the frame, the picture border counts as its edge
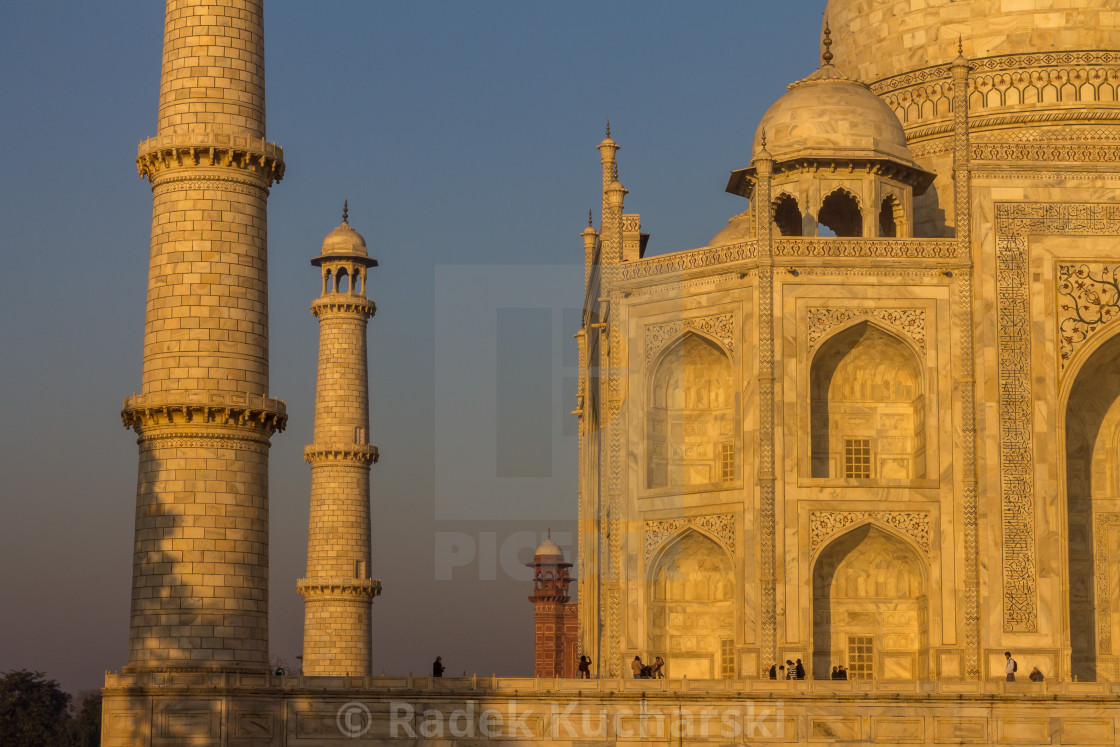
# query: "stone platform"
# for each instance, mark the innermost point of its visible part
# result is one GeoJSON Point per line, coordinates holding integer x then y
{"type": "Point", "coordinates": [249, 710]}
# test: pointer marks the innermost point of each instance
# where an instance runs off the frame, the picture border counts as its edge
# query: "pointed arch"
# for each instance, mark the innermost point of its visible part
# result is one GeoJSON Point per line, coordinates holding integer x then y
{"type": "Point", "coordinates": [1091, 461]}
{"type": "Point", "coordinates": [691, 432]}
{"type": "Point", "coordinates": [341, 279]}
{"type": "Point", "coordinates": [840, 211]}
{"type": "Point", "coordinates": [866, 405]}
{"type": "Point", "coordinates": [786, 214]}
{"type": "Point", "coordinates": [890, 217]}
{"type": "Point", "coordinates": [691, 603]}
{"type": "Point", "coordinates": [871, 605]}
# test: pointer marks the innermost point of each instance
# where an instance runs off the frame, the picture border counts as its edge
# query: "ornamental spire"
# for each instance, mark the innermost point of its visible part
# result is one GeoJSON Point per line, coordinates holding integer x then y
{"type": "Point", "coordinates": [826, 56]}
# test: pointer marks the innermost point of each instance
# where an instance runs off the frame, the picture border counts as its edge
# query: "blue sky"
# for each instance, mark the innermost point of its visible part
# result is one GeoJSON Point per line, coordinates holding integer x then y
{"type": "Point", "coordinates": [463, 135]}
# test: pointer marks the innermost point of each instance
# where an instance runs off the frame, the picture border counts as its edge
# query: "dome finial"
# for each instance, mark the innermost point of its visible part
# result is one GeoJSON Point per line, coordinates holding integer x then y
{"type": "Point", "coordinates": [345, 211]}
{"type": "Point", "coordinates": [764, 138]}
{"type": "Point", "coordinates": [590, 221]}
{"type": "Point", "coordinates": [826, 56]}
{"type": "Point", "coordinates": [608, 128]}
{"type": "Point", "coordinates": [960, 45]}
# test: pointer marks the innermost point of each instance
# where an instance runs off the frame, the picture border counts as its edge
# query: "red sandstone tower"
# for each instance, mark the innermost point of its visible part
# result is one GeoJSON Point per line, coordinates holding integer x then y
{"type": "Point", "coordinates": [555, 623]}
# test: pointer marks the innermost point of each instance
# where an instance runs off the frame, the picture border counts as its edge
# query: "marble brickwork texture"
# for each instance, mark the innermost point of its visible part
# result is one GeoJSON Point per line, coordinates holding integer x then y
{"type": "Point", "coordinates": [203, 417]}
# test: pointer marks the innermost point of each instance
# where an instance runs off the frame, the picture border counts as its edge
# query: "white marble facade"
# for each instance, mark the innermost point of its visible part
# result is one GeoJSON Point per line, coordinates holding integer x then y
{"type": "Point", "coordinates": [894, 447]}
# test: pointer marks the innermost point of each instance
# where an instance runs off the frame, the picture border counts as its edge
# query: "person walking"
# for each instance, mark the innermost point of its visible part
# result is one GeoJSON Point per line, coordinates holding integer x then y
{"type": "Point", "coordinates": [800, 670]}
{"type": "Point", "coordinates": [1011, 668]}
{"type": "Point", "coordinates": [584, 668]}
{"type": "Point", "coordinates": [636, 667]}
{"type": "Point", "coordinates": [773, 671]}
{"type": "Point", "coordinates": [658, 668]}
{"type": "Point", "coordinates": [791, 671]}
{"type": "Point", "coordinates": [437, 667]}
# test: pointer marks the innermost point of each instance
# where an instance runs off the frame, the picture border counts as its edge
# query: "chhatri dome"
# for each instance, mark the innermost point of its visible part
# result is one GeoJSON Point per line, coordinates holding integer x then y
{"type": "Point", "coordinates": [829, 114]}
{"type": "Point", "coordinates": [344, 240]}
{"type": "Point", "coordinates": [840, 162]}
{"type": "Point", "coordinates": [879, 39]}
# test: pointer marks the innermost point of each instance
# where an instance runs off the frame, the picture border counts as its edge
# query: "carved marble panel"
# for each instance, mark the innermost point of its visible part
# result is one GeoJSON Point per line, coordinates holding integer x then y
{"type": "Point", "coordinates": [719, 326]}
{"type": "Point", "coordinates": [824, 525]}
{"type": "Point", "coordinates": [1088, 299]}
{"type": "Point", "coordinates": [721, 526]}
{"type": "Point", "coordinates": [910, 322]}
{"type": "Point", "coordinates": [1014, 223]}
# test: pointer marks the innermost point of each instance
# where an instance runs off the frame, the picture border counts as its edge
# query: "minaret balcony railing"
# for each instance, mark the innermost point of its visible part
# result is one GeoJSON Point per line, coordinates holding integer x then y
{"type": "Point", "coordinates": [360, 453]}
{"type": "Point", "coordinates": [221, 408]}
{"type": "Point", "coordinates": [349, 587]}
{"type": "Point", "coordinates": [210, 149]}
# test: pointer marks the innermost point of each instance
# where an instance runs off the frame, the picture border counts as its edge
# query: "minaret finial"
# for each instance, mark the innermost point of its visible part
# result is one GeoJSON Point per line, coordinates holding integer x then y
{"type": "Point", "coordinates": [960, 45]}
{"type": "Point", "coordinates": [608, 128]}
{"type": "Point", "coordinates": [826, 56]}
{"type": "Point", "coordinates": [550, 532]}
{"type": "Point", "coordinates": [345, 210]}
{"type": "Point", "coordinates": [764, 138]}
{"type": "Point", "coordinates": [590, 220]}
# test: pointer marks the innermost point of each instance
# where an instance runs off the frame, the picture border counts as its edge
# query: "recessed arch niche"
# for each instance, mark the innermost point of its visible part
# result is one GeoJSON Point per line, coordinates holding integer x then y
{"type": "Point", "coordinates": [870, 607]}
{"type": "Point", "coordinates": [866, 407]}
{"type": "Point", "coordinates": [690, 430]}
{"type": "Point", "coordinates": [1092, 462]}
{"type": "Point", "coordinates": [691, 604]}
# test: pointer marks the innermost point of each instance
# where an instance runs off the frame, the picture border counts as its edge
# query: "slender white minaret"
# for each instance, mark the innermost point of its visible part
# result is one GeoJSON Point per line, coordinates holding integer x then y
{"type": "Point", "coordinates": [338, 591]}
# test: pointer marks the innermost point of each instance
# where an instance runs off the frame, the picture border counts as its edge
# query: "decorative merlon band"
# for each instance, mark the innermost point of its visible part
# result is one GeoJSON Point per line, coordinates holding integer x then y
{"type": "Point", "coordinates": [343, 303]}
{"type": "Point", "coordinates": [992, 64]}
{"type": "Point", "coordinates": [360, 454]}
{"type": "Point", "coordinates": [221, 408]}
{"type": "Point", "coordinates": [867, 248]}
{"type": "Point", "coordinates": [1057, 152]}
{"type": "Point", "coordinates": [210, 149]}
{"type": "Point", "coordinates": [339, 587]}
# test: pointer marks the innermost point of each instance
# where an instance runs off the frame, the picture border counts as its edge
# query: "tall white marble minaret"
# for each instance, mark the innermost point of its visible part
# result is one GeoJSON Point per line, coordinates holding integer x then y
{"type": "Point", "coordinates": [203, 417]}
{"type": "Point", "coordinates": [338, 591]}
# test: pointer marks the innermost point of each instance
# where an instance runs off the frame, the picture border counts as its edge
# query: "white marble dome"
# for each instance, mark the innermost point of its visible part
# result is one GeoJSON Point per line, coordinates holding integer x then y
{"type": "Point", "coordinates": [876, 39]}
{"type": "Point", "coordinates": [344, 241]}
{"type": "Point", "coordinates": [830, 115]}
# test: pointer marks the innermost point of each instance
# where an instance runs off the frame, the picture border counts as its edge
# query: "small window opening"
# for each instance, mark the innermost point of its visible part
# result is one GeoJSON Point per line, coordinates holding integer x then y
{"type": "Point", "coordinates": [359, 281]}
{"type": "Point", "coordinates": [342, 282]}
{"type": "Point", "coordinates": [727, 658]}
{"type": "Point", "coordinates": [857, 458]}
{"type": "Point", "coordinates": [840, 213]}
{"type": "Point", "coordinates": [327, 287]}
{"type": "Point", "coordinates": [861, 657]}
{"type": "Point", "coordinates": [787, 216]}
{"type": "Point", "coordinates": [727, 462]}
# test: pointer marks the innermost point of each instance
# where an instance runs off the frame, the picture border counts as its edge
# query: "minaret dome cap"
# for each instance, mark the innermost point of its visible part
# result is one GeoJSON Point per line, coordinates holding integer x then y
{"type": "Point", "coordinates": [344, 241]}
{"type": "Point", "coordinates": [549, 549]}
